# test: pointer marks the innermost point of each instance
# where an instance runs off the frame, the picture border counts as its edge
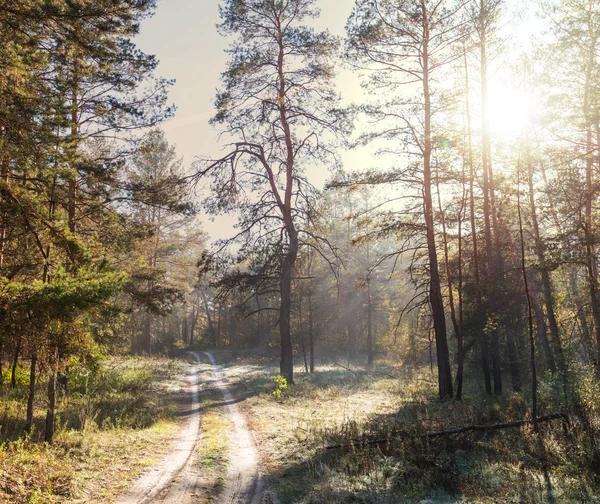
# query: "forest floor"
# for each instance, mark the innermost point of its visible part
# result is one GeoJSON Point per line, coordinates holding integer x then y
{"type": "Point", "coordinates": [113, 425]}
{"type": "Point", "coordinates": [343, 401]}
{"type": "Point", "coordinates": [247, 438]}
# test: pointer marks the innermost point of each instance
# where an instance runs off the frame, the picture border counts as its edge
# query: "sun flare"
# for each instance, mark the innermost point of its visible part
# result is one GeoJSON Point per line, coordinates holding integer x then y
{"type": "Point", "coordinates": [511, 110]}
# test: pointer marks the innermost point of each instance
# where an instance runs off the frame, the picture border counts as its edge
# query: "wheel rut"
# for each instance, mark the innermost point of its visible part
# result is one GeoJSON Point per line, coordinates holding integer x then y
{"type": "Point", "coordinates": [177, 478]}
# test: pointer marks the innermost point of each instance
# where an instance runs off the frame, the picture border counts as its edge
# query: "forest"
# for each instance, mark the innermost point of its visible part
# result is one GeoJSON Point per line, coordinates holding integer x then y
{"type": "Point", "coordinates": [406, 307]}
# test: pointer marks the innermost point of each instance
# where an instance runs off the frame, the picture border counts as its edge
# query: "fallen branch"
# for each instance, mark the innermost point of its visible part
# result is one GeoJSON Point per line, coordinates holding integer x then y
{"type": "Point", "coordinates": [450, 432]}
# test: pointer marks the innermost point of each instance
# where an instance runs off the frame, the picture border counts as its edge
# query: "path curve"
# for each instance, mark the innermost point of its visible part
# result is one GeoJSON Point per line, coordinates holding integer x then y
{"type": "Point", "coordinates": [244, 484]}
{"type": "Point", "coordinates": [173, 479]}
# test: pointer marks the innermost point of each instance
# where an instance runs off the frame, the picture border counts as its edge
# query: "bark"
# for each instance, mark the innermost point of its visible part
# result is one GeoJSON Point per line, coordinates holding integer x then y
{"type": "Point", "coordinates": [513, 358]}
{"type": "Point", "coordinates": [485, 360]}
{"type": "Point", "coordinates": [30, 398]}
{"type": "Point", "coordinates": [457, 329]}
{"type": "Point", "coordinates": [145, 343]}
{"type": "Point", "coordinates": [351, 326]}
{"type": "Point", "coordinates": [488, 200]}
{"type": "Point", "coordinates": [13, 373]}
{"type": "Point", "coordinates": [311, 344]}
{"type": "Point", "coordinates": [286, 365]}
{"type": "Point", "coordinates": [51, 412]}
{"type": "Point", "coordinates": [542, 333]}
{"type": "Point", "coordinates": [194, 321]}
{"type": "Point", "coordinates": [591, 262]}
{"type": "Point", "coordinates": [289, 260]}
{"type": "Point", "coordinates": [302, 331]}
{"type": "Point", "coordinates": [211, 326]}
{"type": "Point", "coordinates": [369, 325]}
{"type": "Point", "coordinates": [435, 292]}
{"type": "Point", "coordinates": [184, 329]}
{"type": "Point", "coordinates": [546, 285]}
{"type": "Point", "coordinates": [534, 412]}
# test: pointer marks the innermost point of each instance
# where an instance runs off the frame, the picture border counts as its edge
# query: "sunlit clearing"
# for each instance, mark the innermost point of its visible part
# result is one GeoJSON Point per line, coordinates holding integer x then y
{"type": "Point", "coordinates": [510, 111]}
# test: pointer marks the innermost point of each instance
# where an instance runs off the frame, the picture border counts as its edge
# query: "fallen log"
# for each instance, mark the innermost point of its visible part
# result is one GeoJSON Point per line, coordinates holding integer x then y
{"type": "Point", "coordinates": [449, 432]}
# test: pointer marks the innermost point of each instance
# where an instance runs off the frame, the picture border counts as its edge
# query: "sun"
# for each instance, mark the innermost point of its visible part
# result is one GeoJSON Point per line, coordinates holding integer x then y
{"type": "Point", "coordinates": [510, 110]}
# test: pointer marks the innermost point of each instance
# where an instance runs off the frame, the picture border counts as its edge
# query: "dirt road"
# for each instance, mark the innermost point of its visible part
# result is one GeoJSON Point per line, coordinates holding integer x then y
{"type": "Point", "coordinates": [175, 480]}
{"type": "Point", "coordinates": [244, 483]}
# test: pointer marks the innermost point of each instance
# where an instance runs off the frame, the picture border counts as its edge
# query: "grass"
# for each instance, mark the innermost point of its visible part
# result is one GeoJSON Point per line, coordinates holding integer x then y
{"type": "Point", "coordinates": [340, 403]}
{"type": "Point", "coordinates": [113, 424]}
{"type": "Point", "coordinates": [212, 452]}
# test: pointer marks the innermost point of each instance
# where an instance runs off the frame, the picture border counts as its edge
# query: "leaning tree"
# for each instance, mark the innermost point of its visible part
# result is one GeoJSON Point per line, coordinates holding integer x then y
{"type": "Point", "coordinates": [279, 109]}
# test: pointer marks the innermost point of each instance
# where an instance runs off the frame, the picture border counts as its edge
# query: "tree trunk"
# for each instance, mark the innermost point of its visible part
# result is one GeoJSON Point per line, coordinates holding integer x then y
{"type": "Point", "coordinates": [485, 353]}
{"type": "Point", "coordinates": [534, 412]}
{"type": "Point", "coordinates": [311, 344]}
{"type": "Point", "coordinates": [435, 292]}
{"type": "Point", "coordinates": [1, 352]}
{"type": "Point", "coordinates": [542, 331]}
{"type": "Point", "coordinates": [369, 325]}
{"type": "Point", "coordinates": [457, 329]}
{"type": "Point", "coordinates": [184, 329]}
{"type": "Point", "coordinates": [30, 398]}
{"type": "Point", "coordinates": [50, 414]}
{"type": "Point", "coordinates": [13, 373]}
{"type": "Point", "coordinates": [546, 285]}
{"type": "Point", "coordinates": [146, 344]}
{"type": "Point", "coordinates": [211, 326]}
{"type": "Point", "coordinates": [591, 263]}
{"type": "Point", "coordinates": [286, 365]}
{"type": "Point", "coordinates": [351, 326]}
{"type": "Point", "coordinates": [488, 201]}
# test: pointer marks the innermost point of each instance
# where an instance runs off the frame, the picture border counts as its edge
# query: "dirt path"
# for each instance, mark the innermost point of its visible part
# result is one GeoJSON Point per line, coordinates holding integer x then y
{"type": "Point", "coordinates": [244, 484]}
{"type": "Point", "coordinates": [173, 479]}
{"type": "Point", "coordinates": [176, 478]}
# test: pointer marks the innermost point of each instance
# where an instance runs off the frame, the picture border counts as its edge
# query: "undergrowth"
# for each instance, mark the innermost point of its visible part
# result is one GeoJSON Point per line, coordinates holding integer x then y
{"type": "Point", "coordinates": [347, 405]}
{"type": "Point", "coordinates": [108, 428]}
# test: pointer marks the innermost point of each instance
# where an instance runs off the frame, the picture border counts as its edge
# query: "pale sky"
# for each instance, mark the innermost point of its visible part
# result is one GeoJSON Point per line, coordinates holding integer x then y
{"type": "Point", "coordinates": [183, 37]}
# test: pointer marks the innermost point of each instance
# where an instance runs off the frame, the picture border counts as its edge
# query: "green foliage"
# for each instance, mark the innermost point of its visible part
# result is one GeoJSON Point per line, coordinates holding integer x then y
{"type": "Point", "coordinates": [282, 386]}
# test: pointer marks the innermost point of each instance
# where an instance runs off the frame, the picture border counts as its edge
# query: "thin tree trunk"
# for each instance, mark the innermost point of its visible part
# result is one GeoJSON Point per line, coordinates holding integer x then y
{"type": "Point", "coordinates": [457, 330]}
{"type": "Point", "coordinates": [485, 362]}
{"type": "Point", "coordinates": [488, 200]}
{"type": "Point", "coordinates": [13, 373]}
{"type": "Point", "coordinates": [30, 398]}
{"type": "Point", "coordinates": [51, 412]}
{"type": "Point", "coordinates": [591, 263]}
{"type": "Point", "coordinates": [369, 325]}
{"type": "Point", "coordinates": [435, 291]}
{"type": "Point", "coordinates": [546, 285]}
{"type": "Point", "coordinates": [301, 325]}
{"type": "Point", "coordinates": [211, 326]}
{"type": "Point", "coordinates": [534, 412]}
{"type": "Point", "coordinates": [542, 331]}
{"type": "Point", "coordinates": [311, 344]}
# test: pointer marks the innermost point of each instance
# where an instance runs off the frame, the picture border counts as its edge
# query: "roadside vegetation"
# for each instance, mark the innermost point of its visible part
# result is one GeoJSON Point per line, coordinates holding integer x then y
{"type": "Point", "coordinates": [113, 423]}
{"type": "Point", "coordinates": [346, 406]}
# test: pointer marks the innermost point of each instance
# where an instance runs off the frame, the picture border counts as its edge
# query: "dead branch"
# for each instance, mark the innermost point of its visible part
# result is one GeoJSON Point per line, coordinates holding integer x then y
{"type": "Point", "coordinates": [450, 432]}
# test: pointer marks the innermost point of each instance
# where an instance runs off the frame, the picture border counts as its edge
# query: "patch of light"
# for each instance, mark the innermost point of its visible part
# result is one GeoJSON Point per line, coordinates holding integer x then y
{"type": "Point", "coordinates": [511, 110]}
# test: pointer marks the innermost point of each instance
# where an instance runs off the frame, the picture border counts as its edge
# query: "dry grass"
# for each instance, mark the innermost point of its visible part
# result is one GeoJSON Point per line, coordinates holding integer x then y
{"type": "Point", "coordinates": [340, 403]}
{"type": "Point", "coordinates": [107, 435]}
{"type": "Point", "coordinates": [212, 452]}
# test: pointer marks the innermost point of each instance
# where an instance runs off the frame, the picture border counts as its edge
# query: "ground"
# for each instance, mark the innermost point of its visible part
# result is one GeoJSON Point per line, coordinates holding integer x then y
{"type": "Point", "coordinates": [260, 441]}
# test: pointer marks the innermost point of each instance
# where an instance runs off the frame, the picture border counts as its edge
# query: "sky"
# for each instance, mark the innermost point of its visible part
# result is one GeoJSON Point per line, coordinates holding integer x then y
{"type": "Point", "coordinates": [183, 36]}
